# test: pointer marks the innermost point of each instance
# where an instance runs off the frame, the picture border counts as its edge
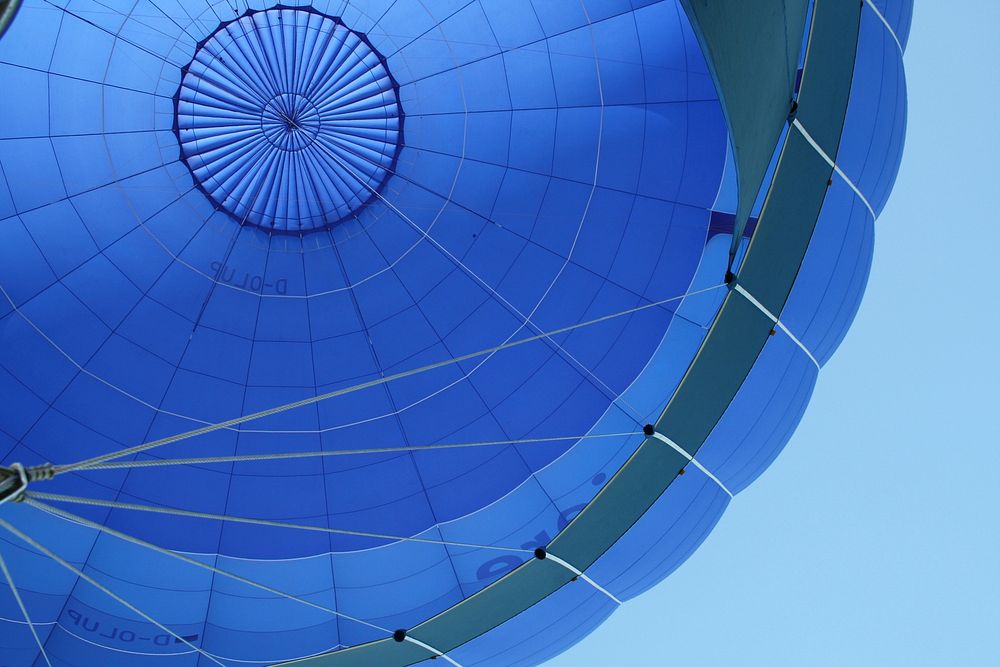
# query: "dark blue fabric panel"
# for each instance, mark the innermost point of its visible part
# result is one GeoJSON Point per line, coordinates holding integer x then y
{"type": "Point", "coordinates": [203, 348]}
{"type": "Point", "coordinates": [539, 172]}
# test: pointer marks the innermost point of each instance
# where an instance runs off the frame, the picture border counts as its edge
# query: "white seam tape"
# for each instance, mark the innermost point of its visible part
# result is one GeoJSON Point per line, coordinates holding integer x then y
{"type": "Point", "coordinates": [680, 450]}
{"type": "Point", "coordinates": [778, 323]}
{"type": "Point", "coordinates": [886, 24]}
{"type": "Point", "coordinates": [822, 153]}
{"type": "Point", "coordinates": [431, 649]}
{"type": "Point", "coordinates": [559, 561]}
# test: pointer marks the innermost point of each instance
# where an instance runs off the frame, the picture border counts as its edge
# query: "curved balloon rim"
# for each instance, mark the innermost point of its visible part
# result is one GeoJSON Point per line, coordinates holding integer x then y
{"type": "Point", "coordinates": [739, 331]}
{"type": "Point", "coordinates": [736, 338]}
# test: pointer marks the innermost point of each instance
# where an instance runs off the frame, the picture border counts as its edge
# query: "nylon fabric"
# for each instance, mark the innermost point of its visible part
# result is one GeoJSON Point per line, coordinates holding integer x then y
{"type": "Point", "coordinates": [209, 210]}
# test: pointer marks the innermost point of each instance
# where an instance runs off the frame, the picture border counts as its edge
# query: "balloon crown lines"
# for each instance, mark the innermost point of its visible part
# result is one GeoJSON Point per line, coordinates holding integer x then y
{"type": "Point", "coordinates": [288, 120]}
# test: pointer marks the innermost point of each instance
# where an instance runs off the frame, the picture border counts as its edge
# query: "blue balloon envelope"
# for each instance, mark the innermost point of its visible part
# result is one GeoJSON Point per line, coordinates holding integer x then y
{"type": "Point", "coordinates": [366, 333]}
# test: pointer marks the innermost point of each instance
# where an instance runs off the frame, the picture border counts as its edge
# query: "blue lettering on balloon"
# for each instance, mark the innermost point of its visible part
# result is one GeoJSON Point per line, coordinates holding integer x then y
{"type": "Point", "coordinates": [224, 273]}
{"type": "Point", "coordinates": [502, 565]}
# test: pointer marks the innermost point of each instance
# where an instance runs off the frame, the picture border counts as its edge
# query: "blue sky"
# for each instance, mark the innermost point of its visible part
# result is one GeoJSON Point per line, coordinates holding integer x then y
{"type": "Point", "coordinates": [874, 537]}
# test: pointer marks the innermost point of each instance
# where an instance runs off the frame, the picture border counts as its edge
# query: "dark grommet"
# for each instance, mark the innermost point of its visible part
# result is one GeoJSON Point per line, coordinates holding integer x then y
{"type": "Point", "coordinates": [771, 332]}
{"type": "Point", "coordinates": [399, 635]}
{"type": "Point", "coordinates": [540, 553]}
{"type": "Point", "coordinates": [681, 471]}
{"type": "Point", "coordinates": [730, 277]}
{"type": "Point", "coordinates": [648, 429]}
{"type": "Point", "coordinates": [792, 110]}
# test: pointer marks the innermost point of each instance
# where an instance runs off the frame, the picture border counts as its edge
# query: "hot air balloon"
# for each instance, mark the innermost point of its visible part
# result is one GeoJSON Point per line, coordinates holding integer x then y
{"type": "Point", "coordinates": [383, 332]}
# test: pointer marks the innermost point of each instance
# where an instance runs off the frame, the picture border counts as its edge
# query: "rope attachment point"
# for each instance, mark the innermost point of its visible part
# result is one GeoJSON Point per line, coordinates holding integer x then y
{"type": "Point", "coordinates": [13, 483]}
{"type": "Point", "coordinates": [14, 480]}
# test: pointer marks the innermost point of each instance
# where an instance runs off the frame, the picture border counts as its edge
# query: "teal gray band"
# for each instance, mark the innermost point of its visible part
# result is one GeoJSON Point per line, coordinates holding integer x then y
{"type": "Point", "coordinates": [752, 67]}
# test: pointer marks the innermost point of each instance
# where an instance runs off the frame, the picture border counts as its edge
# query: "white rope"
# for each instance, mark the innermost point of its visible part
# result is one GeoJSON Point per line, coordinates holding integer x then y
{"type": "Point", "coordinates": [251, 458]}
{"type": "Point", "coordinates": [24, 609]}
{"type": "Point", "coordinates": [819, 149]}
{"type": "Point", "coordinates": [80, 368]}
{"type": "Point", "coordinates": [683, 452]}
{"type": "Point", "coordinates": [579, 573]}
{"type": "Point", "coordinates": [75, 518]}
{"type": "Point", "coordinates": [4, 619]}
{"type": "Point", "coordinates": [431, 649]}
{"type": "Point", "coordinates": [771, 316]}
{"type": "Point", "coordinates": [115, 504]}
{"type": "Point", "coordinates": [209, 428]}
{"type": "Point", "coordinates": [101, 587]}
{"type": "Point", "coordinates": [123, 650]}
{"type": "Point", "coordinates": [887, 25]}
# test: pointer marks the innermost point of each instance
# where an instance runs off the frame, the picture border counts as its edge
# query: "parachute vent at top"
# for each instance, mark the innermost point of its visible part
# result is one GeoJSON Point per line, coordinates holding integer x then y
{"type": "Point", "coordinates": [288, 119]}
